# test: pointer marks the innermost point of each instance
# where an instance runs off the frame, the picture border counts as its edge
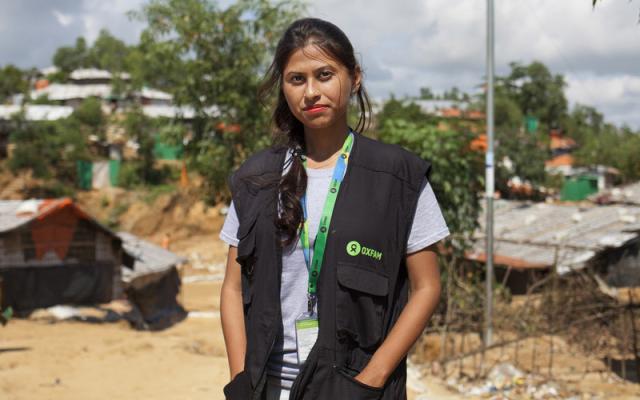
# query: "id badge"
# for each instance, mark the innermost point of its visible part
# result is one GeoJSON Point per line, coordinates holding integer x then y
{"type": "Point", "coordinates": [306, 334]}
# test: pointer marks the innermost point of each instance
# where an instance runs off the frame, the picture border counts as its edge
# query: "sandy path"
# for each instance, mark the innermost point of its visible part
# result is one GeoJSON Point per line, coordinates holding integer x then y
{"type": "Point", "coordinates": [83, 361]}
{"type": "Point", "coordinates": [40, 360]}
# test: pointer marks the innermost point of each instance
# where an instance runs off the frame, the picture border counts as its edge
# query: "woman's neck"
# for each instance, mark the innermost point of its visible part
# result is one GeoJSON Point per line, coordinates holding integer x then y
{"type": "Point", "coordinates": [323, 144]}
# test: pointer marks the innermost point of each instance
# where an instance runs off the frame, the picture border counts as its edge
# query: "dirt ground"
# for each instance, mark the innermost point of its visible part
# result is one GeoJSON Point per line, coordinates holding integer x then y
{"type": "Point", "coordinates": [45, 360]}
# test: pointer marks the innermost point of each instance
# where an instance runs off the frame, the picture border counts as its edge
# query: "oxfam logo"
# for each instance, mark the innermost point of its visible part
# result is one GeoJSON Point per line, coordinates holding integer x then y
{"type": "Point", "coordinates": [353, 248]}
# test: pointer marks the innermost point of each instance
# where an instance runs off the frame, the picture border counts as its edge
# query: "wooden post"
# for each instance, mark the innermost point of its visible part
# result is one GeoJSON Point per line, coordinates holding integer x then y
{"type": "Point", "coordinates": [623, 346]}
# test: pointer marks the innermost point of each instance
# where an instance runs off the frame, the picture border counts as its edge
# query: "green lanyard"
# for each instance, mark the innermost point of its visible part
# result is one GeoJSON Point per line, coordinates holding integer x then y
{"type": "Point", "coordinates": [323, 230]}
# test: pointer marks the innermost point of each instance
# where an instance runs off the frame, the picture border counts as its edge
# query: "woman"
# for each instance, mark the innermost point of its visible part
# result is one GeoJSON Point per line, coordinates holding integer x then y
{"type": "Point", "coordinates": [328, 234]}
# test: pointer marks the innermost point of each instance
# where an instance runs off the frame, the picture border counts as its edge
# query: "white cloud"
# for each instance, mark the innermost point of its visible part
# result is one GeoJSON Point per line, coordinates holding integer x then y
{"type": "Point", "coordinates": [408, 44]}
{"type": "Point", "coordinates": [439, 43]}
{"type": "Point", "coordinates": [111, 15]}
{"type": "Point", "coordinates": [63, 19]}
{"type": "Point", "coordinates": [618, 97]}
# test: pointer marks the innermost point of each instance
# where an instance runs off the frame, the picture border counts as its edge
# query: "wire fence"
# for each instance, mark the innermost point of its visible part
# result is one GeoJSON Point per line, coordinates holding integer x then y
{"type": "Point", "coordinates": [561, 327]}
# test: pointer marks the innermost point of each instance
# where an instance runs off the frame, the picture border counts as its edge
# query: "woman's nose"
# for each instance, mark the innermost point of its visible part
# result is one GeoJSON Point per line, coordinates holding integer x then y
{"type": "Point", "coordinates": [311, 91]}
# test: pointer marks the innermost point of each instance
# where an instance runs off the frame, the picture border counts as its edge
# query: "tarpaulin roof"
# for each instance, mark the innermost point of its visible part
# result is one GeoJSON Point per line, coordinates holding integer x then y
{"type": "Point", "coordinates": [149, 258]}
{"type": "Point", "coordinates": [93, 73]}
{"type": "Point", "coordinates": [70, 91]}
{"type": "Point", "coordinates": [541, 235]}
{"type": "Point", "coordinates": [36, 112]}
{"type": "Point", "coordinates": [171, 111]}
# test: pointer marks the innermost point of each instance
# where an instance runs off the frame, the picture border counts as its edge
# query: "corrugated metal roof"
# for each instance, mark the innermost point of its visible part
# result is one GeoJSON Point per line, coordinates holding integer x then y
{"type": "Point", "coordinates": [154, 94]}
{"type": "Point", "coordinates": [567, 235]}
{"type": "Point", "coordinates": [168, 111]}
{"type": "Point", "coordinates": [70, 91]}
{"type": "Point", "coordinates": [629, 194]}
{"type": "Point", "coordinates": [431, 106]}
{"type": "Point", "coordinates": [14, 213]}
{"type": "Point", "coordinates": [36, 112]}
{"type": "Point", "coordinates": [149, 258]}
{"type": "Point", "coordinates": [93, 73]}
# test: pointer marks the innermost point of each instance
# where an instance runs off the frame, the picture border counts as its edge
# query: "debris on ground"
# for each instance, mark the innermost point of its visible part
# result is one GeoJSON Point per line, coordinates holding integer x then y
{"type": "Point", "coordinates": [505, 381]}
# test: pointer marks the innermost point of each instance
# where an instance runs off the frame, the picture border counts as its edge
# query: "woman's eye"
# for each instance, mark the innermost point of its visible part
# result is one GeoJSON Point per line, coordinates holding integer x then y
{"type": "Point", "coordinates": [326, 74]}
{"type": "Point", "coordinates": [296, 79]}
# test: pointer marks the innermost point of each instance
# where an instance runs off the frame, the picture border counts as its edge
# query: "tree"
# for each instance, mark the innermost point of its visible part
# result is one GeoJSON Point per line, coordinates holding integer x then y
{"type": "Point", "coordinates": [69, 58]}
{"type": "Point", "coordinates": [42, 145]}
{"type": "Point", "coordinates": [601, 143]}
{"type": "Point", "coordinates": [139, 126]}
{"type": "Point", "coordinates": [108, 52]}
{"type": "Point", "coordinates": [536, 91]}
{"type": "Point", "coordinates": [457, 174]}
{"type": "Point", "coordinates": [426, 93]}
{"type": "Point", "coordinates": [394, 109]}
{"type": "Point", "coordinates": [12, 81]}
{"type": "Point", "coordinates": [208, 57]}
{"type": "Point", "coordinates": [90, 117]}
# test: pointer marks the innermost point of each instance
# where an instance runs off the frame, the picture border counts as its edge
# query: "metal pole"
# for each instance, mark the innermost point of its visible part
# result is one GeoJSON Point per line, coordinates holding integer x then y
{"type": "Point", "coordinates": [489, 173]}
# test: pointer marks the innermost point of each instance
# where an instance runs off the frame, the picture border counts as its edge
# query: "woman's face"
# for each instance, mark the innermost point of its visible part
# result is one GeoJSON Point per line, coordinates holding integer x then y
{"type": "Point", "coordinates": [317, 88]}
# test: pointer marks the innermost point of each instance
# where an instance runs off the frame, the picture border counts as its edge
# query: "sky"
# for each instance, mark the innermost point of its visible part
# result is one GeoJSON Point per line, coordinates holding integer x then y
{"type": "Point", "coordinates": [404, 45]}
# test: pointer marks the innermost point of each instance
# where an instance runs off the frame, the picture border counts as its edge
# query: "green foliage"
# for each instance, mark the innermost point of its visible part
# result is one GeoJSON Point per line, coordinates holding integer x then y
{"type": "Point", "coordinates": [206, 56]}
{"type": "Point", "coordinates": [68, 58]}
{"type": "Point", "coordinates": [457, 174]}
{"type": "Point", "coordinates": [140, 127]}
{"type": "Point", "coordinates": [49, 149]}
{"type": "Point", "coordinates": [12, 81]}
{"type": "Point", "coordinates": [526, 154]}
{"type": "Point", "coordinates": [614, 147]}
{"type": "Point", "coordinates": [130, 176]}
{"type": "Point", "coordinates": [536, 91]}
{"type": "Point", "coordinates": [42, 99]}
{"type": "Point", "coordinates": [89, 114]}
{"type": "Point", "coordinates": [517, 152]}
{"type": "Point", "coordinates": [108, 52]}
{"type": "Point", "coordinates": [426, 94]}
{"type": "Point", "coordinates": [395, 109]}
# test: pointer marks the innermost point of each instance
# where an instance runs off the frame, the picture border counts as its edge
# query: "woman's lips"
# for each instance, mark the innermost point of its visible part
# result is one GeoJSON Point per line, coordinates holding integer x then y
{"type": "Point", "coordinates": [315, 109]}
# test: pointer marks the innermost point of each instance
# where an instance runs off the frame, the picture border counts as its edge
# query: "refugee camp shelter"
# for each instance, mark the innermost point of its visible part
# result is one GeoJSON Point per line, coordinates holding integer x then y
{"type": "Point", "coordinates": [532, 238]}
{"type": "Point", "coordinates": [52, 252]}
{"type": "Point", "coordinates": [153, 284]}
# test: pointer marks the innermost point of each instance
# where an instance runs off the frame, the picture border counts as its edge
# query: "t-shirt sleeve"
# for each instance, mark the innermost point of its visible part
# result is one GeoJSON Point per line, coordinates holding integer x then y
{"type": "Point", "coordinates": [428, 225]}
{"type": "Point", "coordinates": [229, 231]}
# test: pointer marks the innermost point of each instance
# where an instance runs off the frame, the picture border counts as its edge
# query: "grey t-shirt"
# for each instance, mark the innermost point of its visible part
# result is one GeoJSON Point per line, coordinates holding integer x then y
{"type": "Point", "coordinates": [428, 227]}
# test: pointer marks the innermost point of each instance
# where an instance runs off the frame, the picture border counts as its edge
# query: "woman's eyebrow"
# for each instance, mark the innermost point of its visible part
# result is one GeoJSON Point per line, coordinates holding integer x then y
{"type": "Point", "coordinates": [316, 70]}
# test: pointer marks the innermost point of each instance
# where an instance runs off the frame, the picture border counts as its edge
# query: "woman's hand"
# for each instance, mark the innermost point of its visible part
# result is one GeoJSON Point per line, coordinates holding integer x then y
{"type": "Point", "coordinates": [371, 378]}
{"type": "Point", "coordinates": [424, 280]}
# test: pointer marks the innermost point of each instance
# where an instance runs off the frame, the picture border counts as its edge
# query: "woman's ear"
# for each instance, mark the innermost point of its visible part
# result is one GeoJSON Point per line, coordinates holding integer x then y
{"type": "Point", "coordinates": [357, 79]}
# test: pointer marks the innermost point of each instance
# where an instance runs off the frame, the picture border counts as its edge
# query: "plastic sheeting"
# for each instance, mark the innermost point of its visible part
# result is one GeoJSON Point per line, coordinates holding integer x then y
{"type": "Point", "coordinates": [26, 289]}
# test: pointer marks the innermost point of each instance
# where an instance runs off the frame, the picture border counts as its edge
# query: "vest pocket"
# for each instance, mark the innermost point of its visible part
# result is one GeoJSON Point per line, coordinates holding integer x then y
{"type": "Point", "coordinates": [360, 304]}
{"type": "Point", "coordinates": [355, 388]}
{"type": "Point", "coordinates": [239, 388]}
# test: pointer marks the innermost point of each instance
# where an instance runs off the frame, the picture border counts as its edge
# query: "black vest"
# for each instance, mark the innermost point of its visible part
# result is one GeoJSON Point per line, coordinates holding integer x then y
{"type": "Point", "coordinates": [361, 290]}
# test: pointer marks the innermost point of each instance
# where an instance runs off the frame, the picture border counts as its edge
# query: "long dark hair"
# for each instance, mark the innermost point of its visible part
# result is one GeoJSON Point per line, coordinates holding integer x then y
{"type": "Point", "coordinates": [288, 129]}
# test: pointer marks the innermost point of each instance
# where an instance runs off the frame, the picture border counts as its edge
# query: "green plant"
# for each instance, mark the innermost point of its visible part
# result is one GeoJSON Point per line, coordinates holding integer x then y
{"type": "Point", "coordinates": [457, 173]}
